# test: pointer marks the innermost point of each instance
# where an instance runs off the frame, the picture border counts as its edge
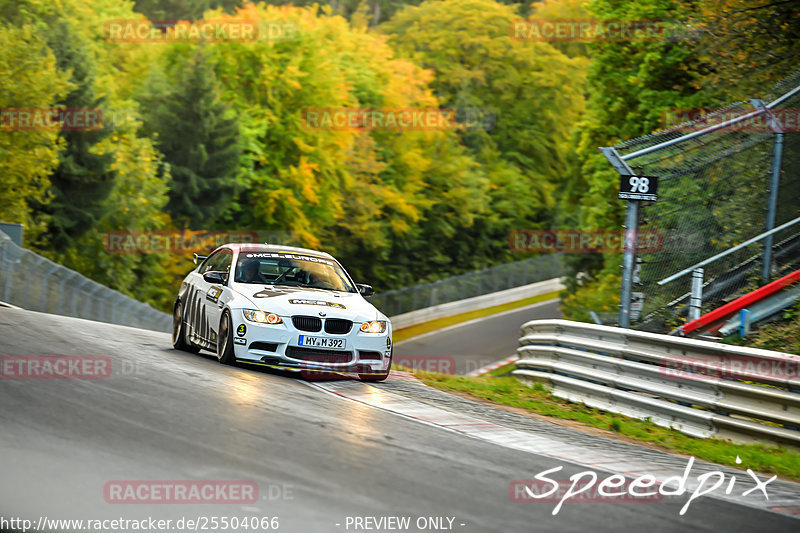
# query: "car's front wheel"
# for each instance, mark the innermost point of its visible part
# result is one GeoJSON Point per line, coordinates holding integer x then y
{"type": "Point", "coordinates": [225, 340]}
{"type": "Point", "coordinates": [179, 341]}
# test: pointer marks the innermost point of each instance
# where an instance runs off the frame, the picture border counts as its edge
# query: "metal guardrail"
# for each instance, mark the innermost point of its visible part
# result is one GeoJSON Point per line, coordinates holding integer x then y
{"type": "Point", "coordinates": [673, 381]}
{"type": "Point", "coordinates": [762, 310]}
{"type": "Point", "coordinates": [33, 282]}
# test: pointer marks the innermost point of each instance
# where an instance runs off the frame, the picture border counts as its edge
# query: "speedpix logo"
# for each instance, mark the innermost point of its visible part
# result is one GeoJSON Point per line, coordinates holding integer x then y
{"type": "Point", "coordinates": [587, 486]}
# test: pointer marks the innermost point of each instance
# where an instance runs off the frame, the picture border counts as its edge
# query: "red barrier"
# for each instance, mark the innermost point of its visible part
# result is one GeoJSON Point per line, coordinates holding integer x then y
{"type": "Point", "coordinates": [741, 303]}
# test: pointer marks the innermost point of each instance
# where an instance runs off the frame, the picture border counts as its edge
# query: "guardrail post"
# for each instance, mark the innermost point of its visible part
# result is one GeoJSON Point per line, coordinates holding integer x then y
{"type": "Point", "coordinates": [696, 301]}
{"type": "Point", "coordinates": [744, 327]}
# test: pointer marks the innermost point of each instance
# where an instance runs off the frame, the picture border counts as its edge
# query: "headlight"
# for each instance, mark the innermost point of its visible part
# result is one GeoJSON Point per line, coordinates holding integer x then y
{"type": "Point", "coordinates": [374, 326]}
{"type": "Point", "coordinates": [262, 317]}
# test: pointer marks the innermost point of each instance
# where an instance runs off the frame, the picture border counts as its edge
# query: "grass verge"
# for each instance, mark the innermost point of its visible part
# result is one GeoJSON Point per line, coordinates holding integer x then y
{"type": "Point", "coordinates": [439, 323]}
{"type": "Point", "coordinates": [511, 392]}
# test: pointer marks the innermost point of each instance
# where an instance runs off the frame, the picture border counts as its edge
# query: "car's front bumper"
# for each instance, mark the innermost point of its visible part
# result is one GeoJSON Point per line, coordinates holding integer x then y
{"type": "Point", "coordinates": [278, 346]}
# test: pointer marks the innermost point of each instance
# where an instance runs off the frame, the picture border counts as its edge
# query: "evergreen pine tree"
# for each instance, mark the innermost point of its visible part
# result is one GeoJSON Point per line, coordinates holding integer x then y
{"type": "Point", "coordinates": [84, 178]}
{"type": "Point", "coordinates": [201, 146]}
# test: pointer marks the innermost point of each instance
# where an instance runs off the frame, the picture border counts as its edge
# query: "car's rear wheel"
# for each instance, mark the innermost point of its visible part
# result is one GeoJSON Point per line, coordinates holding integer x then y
{"type": "Point", "coordinates": [378, 377]}
{"type": "Point", "coordinates": [179, 341]}
{"type": "Point", "coordinates": [225, 340]}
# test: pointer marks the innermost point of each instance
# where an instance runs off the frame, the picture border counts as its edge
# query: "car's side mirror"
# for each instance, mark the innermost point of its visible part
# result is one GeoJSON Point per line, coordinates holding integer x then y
{"type": "Point", "coordinates": [365, 290]}
{"type": "Point", "coordinates": [214, 277]}
{"type": "Point", "coordinates": [197, 258]}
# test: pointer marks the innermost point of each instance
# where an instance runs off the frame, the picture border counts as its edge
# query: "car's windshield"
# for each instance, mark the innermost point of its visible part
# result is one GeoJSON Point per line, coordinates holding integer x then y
{"type": "Point", "coordinates": [293, 270]}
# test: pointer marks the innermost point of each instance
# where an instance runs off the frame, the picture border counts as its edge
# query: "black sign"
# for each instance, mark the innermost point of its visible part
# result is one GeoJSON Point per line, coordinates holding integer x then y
{"type": "Point", "coordinates": [638, 187]}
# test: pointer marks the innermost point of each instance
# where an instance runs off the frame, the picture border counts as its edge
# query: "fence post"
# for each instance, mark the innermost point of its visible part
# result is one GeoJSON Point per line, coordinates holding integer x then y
{"type": "Point", "coordinates": [772, 205]}
{"type": "Point", "coordinates": [774, 185]}
{"type": "Point", "coordinates": [76, 294]}
{"type": "Point", "coordinates": [89, 297]}
{"type": "Point", "coordinates": [103, 299]}
{"type": "Point", "coordinates": [696, 301]}
{"type": "Point", "coordinates": [43, 306]}
{"type": "Point", "coordinates": [68, 276]}
{"type": "Point", "coordinates": [125, 311]}
{"type": "Point", "coordinates": [9, 271]}
{"type": "Point", "coordinates": [30, 274]}
{"type": "Point", "coordinates": [629, 251]}
{"type": "Point", "coordinates": [526, 277]}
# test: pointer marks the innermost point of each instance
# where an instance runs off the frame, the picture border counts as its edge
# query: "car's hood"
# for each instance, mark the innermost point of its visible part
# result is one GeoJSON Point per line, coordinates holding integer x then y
{"type": "Point", "coordinates": [288, 301]}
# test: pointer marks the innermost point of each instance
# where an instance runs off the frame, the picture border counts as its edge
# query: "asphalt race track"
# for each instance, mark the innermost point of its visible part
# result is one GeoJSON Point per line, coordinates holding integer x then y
{"type": "Point", "coordinates": [316, 459]}
{"type": "Point", "coordinates": [477, 343]}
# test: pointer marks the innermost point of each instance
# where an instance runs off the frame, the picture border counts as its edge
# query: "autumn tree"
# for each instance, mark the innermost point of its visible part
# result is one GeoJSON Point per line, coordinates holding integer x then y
{"type": "Point", "coordinates": [30, 80]}
{"type": "Point", "coordinates": [530, 93]}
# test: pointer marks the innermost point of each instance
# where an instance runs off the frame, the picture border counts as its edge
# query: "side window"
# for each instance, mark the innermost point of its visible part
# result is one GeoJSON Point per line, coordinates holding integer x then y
{"type": "Point", "coordinates": [224, 263]}
{"type": "Point", "coordinates": [210, 263]}
{"type": "Point", "coordinates": [218, 262]}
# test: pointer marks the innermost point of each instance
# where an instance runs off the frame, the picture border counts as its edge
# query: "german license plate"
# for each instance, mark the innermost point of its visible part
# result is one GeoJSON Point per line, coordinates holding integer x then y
{"type": "Point", "coordinates": [322, 342]}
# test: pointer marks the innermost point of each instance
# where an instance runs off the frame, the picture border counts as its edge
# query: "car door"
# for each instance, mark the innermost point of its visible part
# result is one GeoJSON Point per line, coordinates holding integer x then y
{"type": "Point", "coordinates": [196, 309]}
{"type": "Point", "coordinates": [213, 296]}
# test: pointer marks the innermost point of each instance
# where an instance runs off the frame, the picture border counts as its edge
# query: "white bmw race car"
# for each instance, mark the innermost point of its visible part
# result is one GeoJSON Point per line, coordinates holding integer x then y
{"type": "Point", "coordinates": [283, 307]}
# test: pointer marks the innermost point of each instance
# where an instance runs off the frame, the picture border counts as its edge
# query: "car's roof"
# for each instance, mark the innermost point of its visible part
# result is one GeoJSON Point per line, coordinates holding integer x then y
{"type": "Point", "coordinates": [277, 248]}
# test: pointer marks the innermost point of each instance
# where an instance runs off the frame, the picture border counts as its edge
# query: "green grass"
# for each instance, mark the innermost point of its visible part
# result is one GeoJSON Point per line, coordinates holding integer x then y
{"type": "Point", "coordinates": [439, 323]}
{"type": "Point", "coordinates": [501, 371]}
{"type": "Point", "coordinates": [537, 399]}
